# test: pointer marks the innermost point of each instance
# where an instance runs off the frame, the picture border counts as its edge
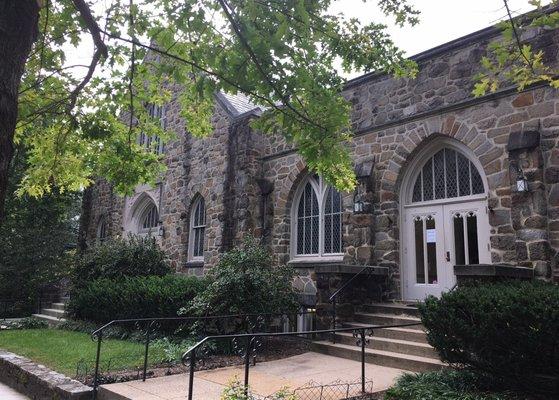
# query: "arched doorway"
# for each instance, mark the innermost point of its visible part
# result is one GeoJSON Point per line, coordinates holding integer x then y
{"type": "Point", "coordinates": [444, 218]}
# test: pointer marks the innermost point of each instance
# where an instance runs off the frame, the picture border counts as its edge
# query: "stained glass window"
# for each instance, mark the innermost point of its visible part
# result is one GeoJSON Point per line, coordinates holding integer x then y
{"type": "Point", "coordinates": [150, 219]}
{"type": "Point", "coordinates": [447, 174]}
{"type": "Point", "coordinates": [318, 219]}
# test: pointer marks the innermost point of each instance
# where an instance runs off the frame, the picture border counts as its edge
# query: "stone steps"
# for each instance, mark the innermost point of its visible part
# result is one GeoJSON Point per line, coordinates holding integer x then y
{"type": "Point", "coordinates": [410, 335]}
{"type": "Point", "coordinates": [49, 319]}
{"type": "Point", "coordinates": [400, 347]}
{"type": "Point", "coordinates": [392, 345]}
{"type": "Point", "coordinates": [379, 357]}
{"type": "Point", "coordinates": [58, 306]}
{"type": "Point", "coordinates": [54, 313]}
{"type": "Point", "coordinates": [388, 319]}
{"type": "Point", "coordinates": [391, 308]}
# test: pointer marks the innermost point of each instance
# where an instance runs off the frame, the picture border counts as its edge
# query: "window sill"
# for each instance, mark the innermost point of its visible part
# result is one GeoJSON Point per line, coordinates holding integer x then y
{"type": "Point", "coordinates": [194, 264]}
{"type": "Point", "coordinates": [312, 262]}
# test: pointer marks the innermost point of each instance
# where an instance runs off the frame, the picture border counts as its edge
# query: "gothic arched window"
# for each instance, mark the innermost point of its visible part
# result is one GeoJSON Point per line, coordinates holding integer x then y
{"type": "Point", "coordinates": [197, 230]}
{"type": "Point", "coordinates": [447, 174]}
{"type": "Point", "coordinates": [102, 230]}
{"type": "Point", "coordinates": [149, 220]}
{"type": "Point", "coordinates": [317, 220]}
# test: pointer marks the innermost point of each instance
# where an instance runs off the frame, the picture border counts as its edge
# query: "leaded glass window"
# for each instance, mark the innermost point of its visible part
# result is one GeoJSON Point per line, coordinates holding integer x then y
{"type": "Point", "coordinates": [197, 229]}
{"type": "Point", "coordinates": [317, 229]}
{"type": "Point", "coordinates": [102, 230]}
{"type": "Point", "coordinates": [150, 219]}
{"type": "Point", "coordinates": [153, 142]}
{"type": "Point", "coordinates": [447, 174]}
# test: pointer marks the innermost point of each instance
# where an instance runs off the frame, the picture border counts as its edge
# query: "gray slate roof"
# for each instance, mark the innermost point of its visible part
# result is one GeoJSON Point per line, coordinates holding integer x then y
{"type": "Point", "coordinates": [238, 104]}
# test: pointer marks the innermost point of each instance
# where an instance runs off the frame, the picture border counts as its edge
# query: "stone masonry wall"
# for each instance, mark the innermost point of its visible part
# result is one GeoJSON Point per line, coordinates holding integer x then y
{"type": "Point", "coordinates": [249, 180]}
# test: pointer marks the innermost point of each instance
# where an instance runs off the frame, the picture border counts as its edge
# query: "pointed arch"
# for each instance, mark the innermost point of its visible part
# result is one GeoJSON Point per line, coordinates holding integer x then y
{"type": "Point", "coordinates": [144, 216]}
{"type": "Point", "coordinates": [316, 220]}
{"type": "Point", "coordinates": [441, 170]}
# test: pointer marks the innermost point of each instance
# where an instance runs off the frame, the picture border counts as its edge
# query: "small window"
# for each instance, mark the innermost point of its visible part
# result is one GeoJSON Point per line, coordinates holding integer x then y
{"type": "Point", "coordinates": [317, 220]}
{"type": "Point", "coordinates": [102, 230]}
{"type": "Point", "coordinates": [197, 230]}
{"type": "Point", "coordinates": [153, 142]}
{"type": "Point", "coordinates": [149, 220]}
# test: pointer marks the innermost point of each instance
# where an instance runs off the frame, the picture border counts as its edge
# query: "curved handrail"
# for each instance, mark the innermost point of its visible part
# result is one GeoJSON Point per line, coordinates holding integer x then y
{"type": "Point", "coordinates": [96, 332]}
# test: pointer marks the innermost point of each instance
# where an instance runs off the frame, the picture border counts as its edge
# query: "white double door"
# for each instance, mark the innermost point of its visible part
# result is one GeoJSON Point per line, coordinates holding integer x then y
{"type": "Point", "coordinates": [437, 237]}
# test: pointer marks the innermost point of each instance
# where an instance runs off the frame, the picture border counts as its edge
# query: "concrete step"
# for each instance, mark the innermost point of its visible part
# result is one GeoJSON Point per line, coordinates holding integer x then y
{"type": "Point", "coordinates": [410, 335]}
{"type": "Point", "coordinates": [53, 312]}
{"type": "Point", "coordinates": [379, 357]}
{"type": "Point", "coordinates": [391, 308]}
{"type": "Point", "coordinates": [393, 345]}
{"type": "Point", "coordinates": [58, 306]}
{"type": "Point", "coordinates": [387, 319]}
{"type": "Point", "coordinates": [49, 319]}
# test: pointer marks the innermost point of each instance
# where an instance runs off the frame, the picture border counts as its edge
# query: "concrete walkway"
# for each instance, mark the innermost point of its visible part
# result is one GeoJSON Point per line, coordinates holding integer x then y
{"type": "Point", "coordinates": [265, 379]}
{"type": "Point", "coordinates": [7, 393]}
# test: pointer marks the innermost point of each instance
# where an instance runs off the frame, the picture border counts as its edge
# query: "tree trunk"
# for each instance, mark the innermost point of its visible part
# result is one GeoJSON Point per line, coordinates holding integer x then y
{"type": "Point", "coordinates": [18, 30]}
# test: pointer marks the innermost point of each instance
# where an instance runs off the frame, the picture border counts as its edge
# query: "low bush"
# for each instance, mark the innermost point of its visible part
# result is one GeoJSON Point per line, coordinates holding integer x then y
{"type": "Point", "coordinates": [245, 281]}
{"type": "Point", "coordinates": [507, 331]}
{"type": "Point", "coordinates": [24, 323]}
{"type": "Point", "coordinates": [133, 297]}
{"type": "Point", "coordinates": [443, 385]}
{"type": "Point", "coordinates": [118, 258]}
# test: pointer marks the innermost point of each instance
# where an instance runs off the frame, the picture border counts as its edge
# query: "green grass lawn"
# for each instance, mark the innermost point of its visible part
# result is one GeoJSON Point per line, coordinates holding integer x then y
{"type": "Point", "coordinates": [62, 350]}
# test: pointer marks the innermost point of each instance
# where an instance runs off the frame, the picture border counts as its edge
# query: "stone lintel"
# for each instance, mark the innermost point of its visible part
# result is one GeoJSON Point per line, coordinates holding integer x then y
{"type": "Point", "coordinates": [350, 269]}
{"type": "Point", "coordinates": [493, 270]}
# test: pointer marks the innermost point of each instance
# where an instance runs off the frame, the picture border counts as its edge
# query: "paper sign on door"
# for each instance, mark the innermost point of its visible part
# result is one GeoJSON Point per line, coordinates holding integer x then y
{"type": "Point", "coordinates": [431, 235]}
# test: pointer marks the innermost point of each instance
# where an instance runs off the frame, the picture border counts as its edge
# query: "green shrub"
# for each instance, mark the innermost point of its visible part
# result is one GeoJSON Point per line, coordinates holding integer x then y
{"type": "Point", "coordinates": [507, 331]}
{"type": "Point", "coordinates": [133, 297]}
{"type": "Point", "coordinates": [244, 282]}
{"type": "Point", "coordinates": [235, 390]}
{"type": "Point", "coordinates": [442, 385]}
{"type": "Point", "coordinates": [118, 258]}
{"type": "Point", "coordinates": [25, 323]}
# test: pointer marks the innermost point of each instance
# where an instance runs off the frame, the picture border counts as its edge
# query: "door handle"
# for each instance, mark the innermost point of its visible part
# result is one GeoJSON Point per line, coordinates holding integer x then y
{"type": "Point", "coordinates": [448, 256]}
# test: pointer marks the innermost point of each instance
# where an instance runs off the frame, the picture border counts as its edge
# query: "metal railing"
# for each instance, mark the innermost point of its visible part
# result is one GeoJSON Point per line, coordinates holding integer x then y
{"type": "Point", "coordinates": [362, 335]}
{"type": "Point", "coordinates": [149, 326]}
{"type": "Point", "coordinates": [334, 297]}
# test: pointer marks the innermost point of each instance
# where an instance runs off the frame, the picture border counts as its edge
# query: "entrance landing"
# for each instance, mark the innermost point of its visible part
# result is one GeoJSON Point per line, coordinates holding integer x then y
{"type": "Point", "coordinates": [266, 378]}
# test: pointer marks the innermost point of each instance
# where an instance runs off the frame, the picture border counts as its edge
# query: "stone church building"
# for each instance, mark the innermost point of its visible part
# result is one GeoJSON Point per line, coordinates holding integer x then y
{"type": "Point", "coordinates": [445, 179]}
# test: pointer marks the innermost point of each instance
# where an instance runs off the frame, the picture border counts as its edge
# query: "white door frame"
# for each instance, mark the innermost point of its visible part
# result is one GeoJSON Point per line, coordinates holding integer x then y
{"type": "Point", "coordinates": [411, 173]}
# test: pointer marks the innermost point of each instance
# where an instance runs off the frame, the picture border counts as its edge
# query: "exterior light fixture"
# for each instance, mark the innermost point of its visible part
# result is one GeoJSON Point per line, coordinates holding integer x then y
{"type": "Point", "coordinates": [521, 181]}
{"type": "Point", "coordinates": [161, 231]}
{"type": "Point", "coordinates": [358, 203]}
{"type": "Point", "coordinates": [521, 184]}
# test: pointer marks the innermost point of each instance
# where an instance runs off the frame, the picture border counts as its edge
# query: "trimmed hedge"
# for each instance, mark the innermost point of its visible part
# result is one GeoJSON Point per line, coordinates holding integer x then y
{"type": "Point", "coordinates": [118, 258]}
{"type": "Point", "coordinates": [134, 297]}
{"type": "Point", "coordinates": [507, 331]}
{"type": "Point", "coordinates": [444, 385]}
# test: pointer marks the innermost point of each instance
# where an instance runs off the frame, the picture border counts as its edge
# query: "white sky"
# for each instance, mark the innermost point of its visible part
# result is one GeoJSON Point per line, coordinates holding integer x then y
{"type": "Point", "coordinates": [440, 21]}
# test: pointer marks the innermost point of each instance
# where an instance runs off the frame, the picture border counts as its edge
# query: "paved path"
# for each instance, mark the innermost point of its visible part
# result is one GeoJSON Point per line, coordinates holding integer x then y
{"type": "Point", "coordinates": [7, 393]}
{"type": "Point", "coordinates": [265, 379]}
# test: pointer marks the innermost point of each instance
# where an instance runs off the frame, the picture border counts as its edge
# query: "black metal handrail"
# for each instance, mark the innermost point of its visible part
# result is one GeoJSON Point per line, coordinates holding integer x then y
{"type": "Point", "coordinates": [360, 333]}
{"type": "Point", "coordinates": [333, 298]}
{"type": "Point", "coordinates": [150, 325]}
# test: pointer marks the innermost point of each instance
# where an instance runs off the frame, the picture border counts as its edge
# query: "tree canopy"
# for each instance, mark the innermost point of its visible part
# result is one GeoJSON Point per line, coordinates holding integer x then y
{"type": "Point", "coordinates": [81, 121]}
